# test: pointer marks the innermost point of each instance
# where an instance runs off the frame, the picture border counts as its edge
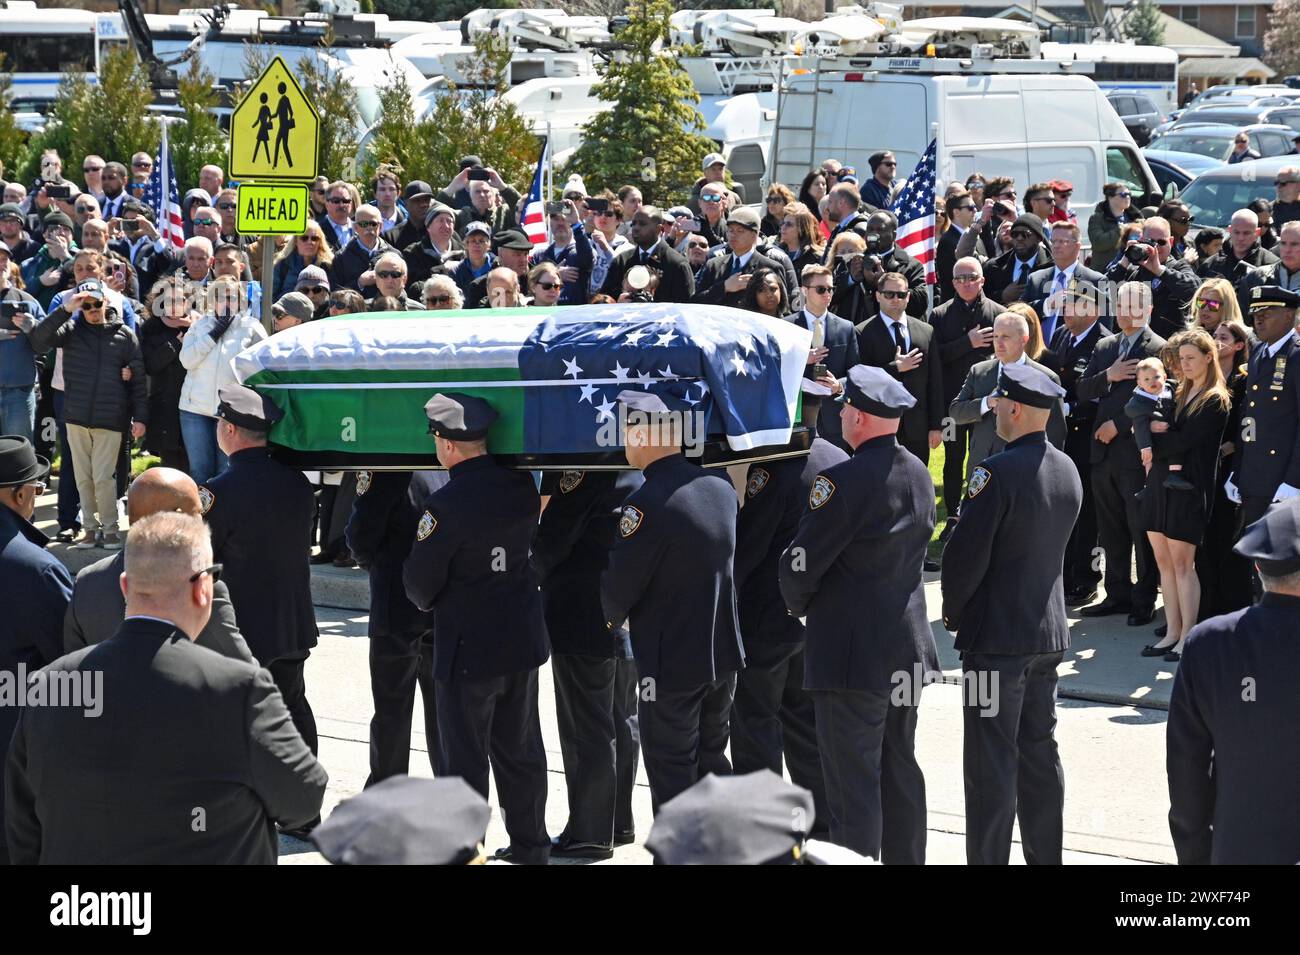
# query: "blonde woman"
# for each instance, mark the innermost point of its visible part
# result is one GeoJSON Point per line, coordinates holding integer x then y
{"type": "Point", "coordinates": [1215, 302]}
{"type": "Point", "coordinates": [310, 248]}
{"type": "Point", "coordinates": [1176, 520]}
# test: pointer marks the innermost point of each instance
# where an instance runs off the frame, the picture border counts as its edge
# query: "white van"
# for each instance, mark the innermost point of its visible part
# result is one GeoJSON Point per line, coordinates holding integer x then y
{"type": "Point", "coordinates": [1030, 119]}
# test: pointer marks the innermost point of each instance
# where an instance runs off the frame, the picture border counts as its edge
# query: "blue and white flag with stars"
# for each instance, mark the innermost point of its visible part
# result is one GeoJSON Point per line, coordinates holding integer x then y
{"type": "Point", "coordinates": [553, 375]}
{"type": "Point", "coordinates": [914, 208]}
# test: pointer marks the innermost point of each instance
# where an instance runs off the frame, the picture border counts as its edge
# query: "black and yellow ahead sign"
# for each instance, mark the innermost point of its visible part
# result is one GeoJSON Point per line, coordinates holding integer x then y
{"type": "Point", "coordinates": [275, 130]}
{"type": "Point", "coordinates": [272, 209]}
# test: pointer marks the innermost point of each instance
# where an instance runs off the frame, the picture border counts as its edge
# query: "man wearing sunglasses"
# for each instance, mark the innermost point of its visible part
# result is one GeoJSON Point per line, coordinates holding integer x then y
{"type": "Point", "coordinates": [1284, 274]}
{"type": "Point", "coordinates": [1286, 204]}
{"type": "Point", "coordinates": [961, 210]}
{"type": "Point", "coordinates": [877, 190]}
{"type": "Point", "coordinates": [1241, 151]}
{"type": "Point", "coordinates": [337, 219]}
{"type": "Point", "coordinates": [1007, 276]}
{"type": "Point", "coordinates": [390, 280]}
{"type": "Point", "coordinates": [1241, 253]}
{"type": "Point", "coordinates": [34, 586]}
{"type": "Point", "coordinates": [354, 266]}
{"type": "Point", "coordinates": [247, 767]}
{"type": "Point", "coordinates": [1043, 289]}
{"type": "Point", "coordinates": [1173, 282]}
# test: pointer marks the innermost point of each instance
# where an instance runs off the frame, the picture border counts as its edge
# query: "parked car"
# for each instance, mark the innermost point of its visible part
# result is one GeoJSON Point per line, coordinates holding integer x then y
{"type": "Point", "coordinates": [1139, 112]}
{"type": "Point", "coordinates": [1288, 115]}
{"type": "Point", "coordinates": [1215, 195]}
{"type": "Point", "coordinates": [1215, 139]}
{"type": "Point", "coordinates": [1172, 177]}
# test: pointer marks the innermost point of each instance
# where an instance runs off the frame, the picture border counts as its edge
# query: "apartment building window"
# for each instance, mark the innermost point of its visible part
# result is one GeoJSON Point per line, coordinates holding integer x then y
{"type": "Point", "coordinates": [1190, 15]}
{"type": "Point", "coordinates": [1245, 22]}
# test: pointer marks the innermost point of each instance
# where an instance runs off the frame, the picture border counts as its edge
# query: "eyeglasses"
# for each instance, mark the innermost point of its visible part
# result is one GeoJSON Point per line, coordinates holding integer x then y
{"type": "Point", "coordinates": [367, 224]}
{"type": "Point", "coordinates": [889, 163]}
{"type": "Point", "coordinates": [1123, 195]}
{"type": "Point", "coordinates": [1181, 221]}
{"type": "Point", "coordinates": [549, 286]}
{"type": "Point", "coordinates": [308, 238]}
{"type": "Point", "coordinates": [891, 293]}
{"type": "Point", "coordinates": [85, 210]}
{"type": "Point", "coordinates": [314, 290]}
{"type": "Point", "coordinates": [975, 184]}
{"type": "Point", "coordinates": [389, 274]}
{"type": "Point", "coordinates": [1285, 182]}
{"type": "Point", "coordinates": [1209, 303]}
{"type": "Point", "coordinates": [789, 224]}
{"type": "Point", "coordinates": [142, 165]}
{"type": "Point", "coordinates": [775, 201]}
{"type": "Point", "coordinates": [964, 279]}
{"type": "Point", "coordinates": [1006, 195]}
{"type": "Point", "coordinates": [318, 192]}
{"type": "Point", "coordinates": [710, 198]}
{"type": "Point", "coordinates": [437, 300]}
{"type": "Point", "coordinates": [92, 168]}
{"type": "Point", "coordinates": [969, 208]}
{"type": "Point", "coordinates": [1022, 234]}
{"type": "Point", "coordinates": [339, 201]}
{"type": "Point", "coordinates": [606, 213]}
{"type": "Point", "coordinates": [205, 221]}
{"type": "Point", "coordinates": [214, 571]}
{"type": "Point", "coordinates": [38, 487]}
{"type": "Point", "coordinates": [92, 305]}
{"type": "Point", "coordinates": [226, 206]}
{"type": "Point", "coordinates": [820, 289]}
{"type": "Point", "coordinates": [1160, 242]}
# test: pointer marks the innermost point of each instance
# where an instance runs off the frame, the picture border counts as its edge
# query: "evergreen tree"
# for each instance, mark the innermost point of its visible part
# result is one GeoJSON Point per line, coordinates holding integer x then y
{"type": "Point", "coordinates": [1144, 25]}
{"type": "Point", "coordinates": [198, 140]}
{"type": "Point", "coordinates": [651, 134]}
{"type": "Point", "coordinates": [13, 141]}
{"type": "Point", "coordinates": [1282, 41]}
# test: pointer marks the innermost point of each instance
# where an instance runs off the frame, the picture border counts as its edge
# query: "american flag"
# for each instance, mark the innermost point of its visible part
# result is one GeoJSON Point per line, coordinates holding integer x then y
{"type": "Point", "coordinates": [536, 225]}
{"type": "Point", "coordinates": [914, 208]}
{"type": "Point", "coordinates": [168, 209]}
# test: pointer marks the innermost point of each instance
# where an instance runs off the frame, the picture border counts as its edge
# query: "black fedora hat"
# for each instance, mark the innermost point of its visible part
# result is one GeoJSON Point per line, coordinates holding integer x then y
{"type": "Point", "coordinates": [19, 462]}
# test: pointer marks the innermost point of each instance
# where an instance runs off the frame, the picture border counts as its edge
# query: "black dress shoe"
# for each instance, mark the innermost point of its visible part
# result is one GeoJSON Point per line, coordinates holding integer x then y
{"type": "Point", "coordinates": [624, 837]}
{"type": "Point", "coordinates": [948, 526]}
{"type": "Point", "coordinates": [1176, 482]}
{"type": "Point", "coordinates": [321, 558]}
{"type": "Point", "coordinates": [1162, 630]}
{"type": "Point", "coordinates": [1151, 650]}
{"type": "Point", "coordinates": [564, 847]}
{"type": "Point", "coordinates": [1104, 609]}
{"type": "Point", "coordinates": [1080, 595]}
{"type": "Point", "coordinates": [1173, 656]}
{"type": "Point", "coordinates": [507, 854]}
{"type": "Point", "coordinates": [1140, 618]}
{"type": "Point", "coordinates": [304, 832]}
{"type": "Point", "coordinates": [931, 566]}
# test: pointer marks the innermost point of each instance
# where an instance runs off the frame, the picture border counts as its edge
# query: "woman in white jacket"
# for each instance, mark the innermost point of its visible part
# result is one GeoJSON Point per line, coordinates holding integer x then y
{"type": "Point", "coordinates": [225, 329]}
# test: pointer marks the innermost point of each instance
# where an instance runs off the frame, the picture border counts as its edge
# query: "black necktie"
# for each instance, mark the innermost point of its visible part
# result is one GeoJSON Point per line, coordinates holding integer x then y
{"type": "Point", "coordinates": [898, 337]}
{"type": "Point", "coordinates": [735, 265]}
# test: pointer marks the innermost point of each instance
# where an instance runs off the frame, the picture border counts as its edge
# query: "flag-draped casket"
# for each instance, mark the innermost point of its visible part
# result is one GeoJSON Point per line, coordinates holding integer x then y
{"type": "Point", "coordinates": [353, 387]}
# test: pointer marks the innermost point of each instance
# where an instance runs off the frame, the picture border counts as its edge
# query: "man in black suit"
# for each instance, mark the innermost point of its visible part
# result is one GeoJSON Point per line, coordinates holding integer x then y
{"type": "Point", "coordinates": [834, 345]}
{"type": "Point", "coordinates": [1234, 756]}
{"type": "Point", "coordinates": [1117, 472]}
{"type": "Point", "coordinates": [725, 277]}
{"type": "Point", "coordinates": [1006, 276]}
{"type": "Point", "coordinates": [648, 248]}
{"type": "Point", "coordinates": [960, 209]}
{"type": "Point", "coordinates": [95, 612]}
{"type": "Point", "coordinates": [1173, 283]}
{"type": "Point", "coordinates": [191, 757]}
{"type": "Point", "coordinates": [1071, 350]}
{"type": "Point", "coordinates": [843, 207]}
{"type": "Point", "coordinates": [904, 347]}
{"type": "Point", "coordinates": [1044, 288]}
{"type": "Point", "coordinates": [855, 279]}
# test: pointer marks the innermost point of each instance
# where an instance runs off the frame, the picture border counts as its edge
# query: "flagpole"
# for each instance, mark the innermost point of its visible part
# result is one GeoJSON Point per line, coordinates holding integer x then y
{"type": "Point", "coordinates": [163, 212]}
{"type": "Point", "coordinates": [548, 158]}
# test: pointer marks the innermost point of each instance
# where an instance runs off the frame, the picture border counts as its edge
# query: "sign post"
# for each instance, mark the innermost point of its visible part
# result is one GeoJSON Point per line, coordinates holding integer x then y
{"type": "Point", "coordinates": [274, 151]}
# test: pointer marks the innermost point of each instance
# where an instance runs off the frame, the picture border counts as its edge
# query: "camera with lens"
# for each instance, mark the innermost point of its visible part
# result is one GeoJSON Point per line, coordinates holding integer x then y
{"type": "Point", "coordinates": [1139, 252]}
{"type": "Point", "coordinates": [872, 263]}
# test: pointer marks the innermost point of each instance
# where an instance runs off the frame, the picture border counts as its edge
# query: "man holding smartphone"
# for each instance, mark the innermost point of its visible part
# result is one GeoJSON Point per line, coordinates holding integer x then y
{"type": "Point", "coordinates": [17, 360]}
{"type": "Point", "coordinates": [570, 249]}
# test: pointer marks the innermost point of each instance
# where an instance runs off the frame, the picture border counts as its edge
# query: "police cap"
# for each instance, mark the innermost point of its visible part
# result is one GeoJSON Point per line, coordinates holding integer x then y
{"type": "Point", "coordinates": [1273, 541]}
{"type": "Point", "coordinates": [245, 408]}
{"type": "Point", "coordinates": [459, 417]}
{"type": "Point", "coordinates": [874, 391]}
{"type": "Point", "coordinates": [1029, 386]}
{"type": "Point", "coordinates": [1272, 296]}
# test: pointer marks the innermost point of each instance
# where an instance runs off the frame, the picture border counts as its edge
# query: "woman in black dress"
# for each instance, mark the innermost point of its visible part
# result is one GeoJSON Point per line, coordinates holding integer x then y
{"type": "Point", "coordinates": [1225, 576]}
{"type": "Point", "coordinates": [170, 316]}
{"type": "Point", "coordinates": [1175, 520]}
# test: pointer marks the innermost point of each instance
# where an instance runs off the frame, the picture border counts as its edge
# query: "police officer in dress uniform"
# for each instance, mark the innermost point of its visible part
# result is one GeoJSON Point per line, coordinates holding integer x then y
{"type": "Point", "coordinates": [379, 533]}
{"type": "Point", "coordinates": [1003, 595]}
{"type": "Point", "coordinates": [670, 576]}
{"type": "Point", "coordinates": [773, 713]}
{"type": "Point", "coordinates": [34, 586]}
{"type": "Point", "coordinates": [469, 565]}
{"type": "Point", "coordinates": [592, 668]}
{"type": "Point", "coordinates": [1269, 468]}
{"type": "Point", "coordinates": [861, 544]}
{"type": "Point", "coordinates": [1234, 717]}
{"type": "Point", "coordinates": [261, 514]}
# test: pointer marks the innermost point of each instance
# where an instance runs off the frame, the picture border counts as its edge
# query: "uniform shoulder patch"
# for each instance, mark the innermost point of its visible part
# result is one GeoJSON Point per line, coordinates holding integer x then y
{"type": "Point", "coordinates": [758, 479]}
{"type": "Point", "coordinates": [630, 521]}
{"type": "Point", "coordinates": [206, 499]}
{"type": "Point", "coordinates": [427, 523]}
{"type": "Point", "coordinates": [979, 480]}
{"type": "Point", "coordinates": [363, 482]}
{"type": "Point", "coordinates": [570, 480]}
{"type": "Point", "coordinates": [821, 492]}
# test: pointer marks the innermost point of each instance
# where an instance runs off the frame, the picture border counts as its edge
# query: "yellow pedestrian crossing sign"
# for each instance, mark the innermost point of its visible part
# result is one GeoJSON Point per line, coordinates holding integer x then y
{"type": "Point", "coordinates": [275, 130]}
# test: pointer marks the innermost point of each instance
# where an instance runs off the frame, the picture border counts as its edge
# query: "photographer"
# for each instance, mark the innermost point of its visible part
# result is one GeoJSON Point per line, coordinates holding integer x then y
{"type": "Point", "coordinates": [880, 256]}
{"type": "Point", "coordinates": [570, 251]}
{"type": "Point", "coordinates": [17, 359]}
{"type": "Point", "coordinates": [980, 239]}
{"type": "Point", "coordinates": [1114, 210]}
{"type": "Point", "coordinates": [43, 273]}
{"type": "Point", "coordinates": [1173, 282]}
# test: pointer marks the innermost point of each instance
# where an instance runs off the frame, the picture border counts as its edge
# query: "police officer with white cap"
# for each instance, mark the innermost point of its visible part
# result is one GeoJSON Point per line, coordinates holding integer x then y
{"type": "Point", "coordinates": [261, 514]}
{"type": "Point", "coordinates": [670, 576]}
{"type": "Point", "coordinates": [862, 543]}
{"type": "Point", "coordinates": [469, 565]}
{"type": "Point", "coordinates": [1003, 595]}
{"type": "Point", "coordinates": [1233, 736]}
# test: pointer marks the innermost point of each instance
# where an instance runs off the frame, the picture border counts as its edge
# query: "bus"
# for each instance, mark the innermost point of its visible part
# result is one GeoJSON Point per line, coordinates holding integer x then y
{"type": "Point", "coordinates": [41, 45]}
{"type": "Point", "coordinates": [1126, 66]}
